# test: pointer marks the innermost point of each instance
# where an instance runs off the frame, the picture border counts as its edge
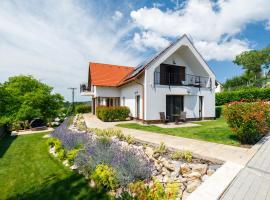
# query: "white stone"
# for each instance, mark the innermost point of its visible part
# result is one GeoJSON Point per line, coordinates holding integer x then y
{"type": "Point", "coordinates": [193, 175]}
{"type": "Point", "coordinates": [149, 152]}
{"type": "Point", "coordinates": [201, 168]}
{"type": "Point", "coordinates": [192, 186]}
{"type": "Point", "coordinates": [210, 172]}
{"type": "Point", "coordinates": [184, 169]}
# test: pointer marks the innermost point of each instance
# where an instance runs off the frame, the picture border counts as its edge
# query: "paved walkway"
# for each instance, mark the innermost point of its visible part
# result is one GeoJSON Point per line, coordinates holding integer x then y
{"type": "Point", "coordinates": [207, 150]}
{"type": "Point", "coordinates": [253, 181]}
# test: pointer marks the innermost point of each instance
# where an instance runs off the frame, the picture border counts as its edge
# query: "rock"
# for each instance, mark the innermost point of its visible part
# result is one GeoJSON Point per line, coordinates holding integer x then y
{"type": "Point", "coordinates": [193, 175]}
{"type": "Point", "coordinates": [155, 172]}
{"type": "Point", "coordinates": [164, 171]}
{"type": "Point", "coordinates": [166, 179]}
{"type": "Point", "coordinates": [157, 166]}
{"type": "Point", "coordinates": [149, 152]}
{"type": "Point", "coordinates": [168, 165]}
{"type": "Point", "coordinates": [174, 174]}
{"type": "Point", "coordinates": [156, 155]}
{"type": "Point", "coordinates": [74, 167]}
{"type": "Point", "coordinates": [159, 178]}
{"type": "Point", "coordinates": [184, 169]}
{"type": "Point", "coordinates": [210, 172]}
{"type": "Point", "coordinates": [182, 180]}
{"type": "Point", "coordinates": [201, 168]}
{"type": "Point", "coordinates": [192, 186]}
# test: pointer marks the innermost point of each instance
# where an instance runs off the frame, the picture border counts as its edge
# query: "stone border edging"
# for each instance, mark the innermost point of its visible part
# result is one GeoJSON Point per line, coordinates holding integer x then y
{"type": "Point", "coordinates": [216, 184]}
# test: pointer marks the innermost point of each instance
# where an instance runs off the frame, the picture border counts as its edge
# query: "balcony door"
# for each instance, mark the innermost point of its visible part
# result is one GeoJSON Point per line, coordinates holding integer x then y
{"type": "Point", "coordinates": [174, 106]}
{"type": "Point", "coordinates": [171, 74]}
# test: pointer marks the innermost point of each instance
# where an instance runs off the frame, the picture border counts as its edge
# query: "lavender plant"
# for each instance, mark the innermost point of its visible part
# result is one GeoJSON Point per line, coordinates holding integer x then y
{"type": "Point", "coordinates": [69, 139]}
{"type": "Point", "coordinates": [130, 164]}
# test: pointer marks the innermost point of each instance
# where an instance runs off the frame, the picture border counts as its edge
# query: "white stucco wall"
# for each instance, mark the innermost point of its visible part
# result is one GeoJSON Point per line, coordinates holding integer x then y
{"type": "Point", "coordinates": [130, 91]}
{"type": "Point", "coordinates": [155, 95]}
{"type": "Point", "coordinates": [107, 91]}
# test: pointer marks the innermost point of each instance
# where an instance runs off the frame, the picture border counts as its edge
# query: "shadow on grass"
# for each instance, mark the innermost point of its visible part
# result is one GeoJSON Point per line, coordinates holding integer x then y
{"type": "Point", "coordinates": [5, 143]}
{"type": "Point", "coordinates": [73, 187]}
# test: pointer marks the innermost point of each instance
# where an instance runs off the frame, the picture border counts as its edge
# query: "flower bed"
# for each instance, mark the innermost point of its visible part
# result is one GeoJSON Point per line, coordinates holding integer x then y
{"type": "Point", "coordinates": [128, 169]}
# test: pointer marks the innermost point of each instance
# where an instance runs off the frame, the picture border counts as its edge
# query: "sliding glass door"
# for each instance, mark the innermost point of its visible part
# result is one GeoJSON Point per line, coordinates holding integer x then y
{"type": "Point", "coordinates": [174, 106]}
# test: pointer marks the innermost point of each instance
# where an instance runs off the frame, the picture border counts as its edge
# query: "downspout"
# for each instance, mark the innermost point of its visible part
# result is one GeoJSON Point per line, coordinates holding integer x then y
{"type": "Point", "coordinates": [142, 98]}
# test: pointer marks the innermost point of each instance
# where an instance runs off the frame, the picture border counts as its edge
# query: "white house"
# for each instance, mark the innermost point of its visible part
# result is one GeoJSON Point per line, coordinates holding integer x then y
{"type": "Point", "coordinates": [219, 87]}
{"type": "Point", "coordinates": [174, 80]}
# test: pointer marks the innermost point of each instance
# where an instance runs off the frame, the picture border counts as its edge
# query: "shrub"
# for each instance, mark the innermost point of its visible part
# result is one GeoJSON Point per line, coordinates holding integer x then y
{"type": "Point", "coordinates": [61, 154]}
{"type": "Point", "coordinates": [109, 132]}
{"type": "Point", "coordinates": [154, 191]}
{"type": "Point", "coordinates": [105, 176]}
{"type": "Point", "coordinates": [71, 155]}
{"type": "Point", "coordinates": [70, 140]}
{"type": "Point", "coordinates": [218, 111]}
{"type": "Point", "coordinates": [83, 108]}
{"type": "Point", "coordinates": [114, 113]}
{"type": "Point", "coordinates": [249, 94]}
{"type": "Point", "coordinates": [130, 164]}
{"type": "Point", "coordinates": [161, 148]}
{"type": "Point", "coordinates": [56, 143]}
{"type": "Point", "coordinates": [187, 155]}
{"type": "Point", "coordinates": [249, 121]}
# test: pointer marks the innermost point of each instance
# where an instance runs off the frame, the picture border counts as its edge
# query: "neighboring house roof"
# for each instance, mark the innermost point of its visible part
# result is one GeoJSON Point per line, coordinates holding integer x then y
{"type": "Point", "coordinates": [107, 74]}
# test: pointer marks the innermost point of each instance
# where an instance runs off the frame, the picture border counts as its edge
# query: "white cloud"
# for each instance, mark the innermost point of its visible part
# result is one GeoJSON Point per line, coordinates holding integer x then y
{"type": "Point", "coordinates": [221, 51]}
{"type": "Point", "coordinates": [149, 39]}
{"type": "Point", "coordinates": [204, 20]}
{"type": "Point", "coordinates": [117, 16]}
{"type": "Point", "coordinates": [55, 40]}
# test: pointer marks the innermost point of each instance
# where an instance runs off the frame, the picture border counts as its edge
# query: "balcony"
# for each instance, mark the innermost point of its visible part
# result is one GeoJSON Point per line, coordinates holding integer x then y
{"type": "Point", "coordinates": [85, 89]}
{"type": "Point", "coordinates": [179, 79]}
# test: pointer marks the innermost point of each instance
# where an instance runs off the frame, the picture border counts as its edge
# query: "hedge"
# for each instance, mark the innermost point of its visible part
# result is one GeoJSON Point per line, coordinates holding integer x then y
{"type": "Point", "coordinates": [83, 108]}
{"type": "Point", "coordinates": [250, 94]}
{"type": "Point", "coordinates": [219, 111]}
{"type": "Point", "coordinates": [114, 113]}
{"type": "Point", "coordinates": [249, 121]}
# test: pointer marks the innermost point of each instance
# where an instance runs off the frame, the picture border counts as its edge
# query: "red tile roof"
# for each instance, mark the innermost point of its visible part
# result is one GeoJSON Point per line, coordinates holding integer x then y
{"type": "Point", "coordinates": [108, 75]}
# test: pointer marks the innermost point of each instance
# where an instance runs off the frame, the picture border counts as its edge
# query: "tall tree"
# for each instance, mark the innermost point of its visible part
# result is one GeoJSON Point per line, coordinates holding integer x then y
{"type": "Point", "coordinates": [31, 98]}
{"type": "Point", "coordinates": [254, 61]}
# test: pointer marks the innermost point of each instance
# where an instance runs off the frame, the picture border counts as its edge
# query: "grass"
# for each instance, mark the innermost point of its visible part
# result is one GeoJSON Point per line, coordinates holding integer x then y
{"type": "Point", "coordinates": [212, 131]}
{"type": "Point", "coordinates": [28, 171]}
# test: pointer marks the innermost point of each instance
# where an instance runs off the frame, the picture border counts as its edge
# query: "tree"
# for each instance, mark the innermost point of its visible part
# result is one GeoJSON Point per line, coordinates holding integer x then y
{"type": "Point", "coordinates": [30, 98]}
{"type": "Point", "coordinates": [254, 61]}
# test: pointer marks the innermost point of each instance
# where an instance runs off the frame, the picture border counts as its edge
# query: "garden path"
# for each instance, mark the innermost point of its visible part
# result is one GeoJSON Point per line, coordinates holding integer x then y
{"type": "Point", "coordinates": [253, 181]}
{"type": "Point", "coordinates": [202, 149]}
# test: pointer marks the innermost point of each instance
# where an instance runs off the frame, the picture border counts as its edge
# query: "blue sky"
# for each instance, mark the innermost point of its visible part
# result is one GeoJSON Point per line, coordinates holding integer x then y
{"type": "Point", "coordinates": [55, 40]}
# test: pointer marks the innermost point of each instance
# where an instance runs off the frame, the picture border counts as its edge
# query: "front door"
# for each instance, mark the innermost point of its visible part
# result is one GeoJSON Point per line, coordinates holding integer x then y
{"type": "Point", "coordinates": [138, 107]}
{"type": "Point", "coordinates": [174, 106]}
{"type": "Point", "coordinates": [200, 106]}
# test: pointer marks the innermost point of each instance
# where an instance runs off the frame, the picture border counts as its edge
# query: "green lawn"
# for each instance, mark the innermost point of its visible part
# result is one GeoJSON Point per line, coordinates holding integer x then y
{"type": "Point", "coordinates": [212, 131]}
{"type": "Point", "coordinates": [28, 171]}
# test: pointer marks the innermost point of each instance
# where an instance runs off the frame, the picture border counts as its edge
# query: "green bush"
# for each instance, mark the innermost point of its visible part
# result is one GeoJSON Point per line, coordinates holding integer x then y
{"type": "Point", "coordinates": [187, 155]}
{"type": "Point", "coordinates": [155, 191]}
{"type": "Point", "coordinates": [61, 154]}
{"type": "Point", "coordinates": [114, 113]}
{"type": "Point", "coordinates": [56, 143]}
{"type": "Point", "coordinates": [71, 155]}
{"type": "Point", "coordinates": [218, 111]}
{"type": "Point", "coordinates": [161, 148]}
{"type": "Point", "coordinates": [83, 108]}
{"type": "Point", "coordinates": [105, 176]}
{"type": "Point", "coordinates": [248, 94]}
{"type": "Point", "coordinates": [249, 121]}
